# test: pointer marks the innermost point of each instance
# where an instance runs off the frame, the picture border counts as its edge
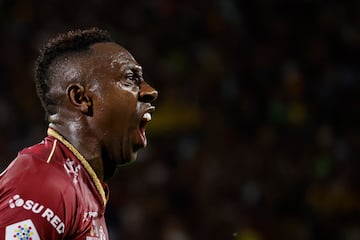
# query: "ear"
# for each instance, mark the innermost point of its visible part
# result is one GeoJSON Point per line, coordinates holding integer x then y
{"type": "Point", "coordinates": [79, 99]}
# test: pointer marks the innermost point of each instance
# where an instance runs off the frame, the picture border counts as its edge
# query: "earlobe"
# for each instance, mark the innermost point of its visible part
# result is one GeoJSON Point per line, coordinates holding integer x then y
{"type": "Point", "coordinates": [79, 99]}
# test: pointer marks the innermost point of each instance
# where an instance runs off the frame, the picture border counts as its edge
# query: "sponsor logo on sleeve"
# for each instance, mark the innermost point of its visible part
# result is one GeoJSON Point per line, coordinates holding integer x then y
{"type": "Point", "coordinates": [24, 230]}
{"type": "Point", "coordinates": [55, 221]}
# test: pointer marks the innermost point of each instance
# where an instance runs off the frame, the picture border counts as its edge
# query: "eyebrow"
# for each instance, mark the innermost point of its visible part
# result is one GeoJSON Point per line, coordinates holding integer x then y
{"type": "Point", "coordinates": [133, 67]}
{"type": "Point", "coordinates": [126, 64]}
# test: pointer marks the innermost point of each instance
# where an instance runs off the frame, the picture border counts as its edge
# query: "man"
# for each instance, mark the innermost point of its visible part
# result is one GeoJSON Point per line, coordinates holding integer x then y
{"type": "Point", "coordinates": [98, 105]}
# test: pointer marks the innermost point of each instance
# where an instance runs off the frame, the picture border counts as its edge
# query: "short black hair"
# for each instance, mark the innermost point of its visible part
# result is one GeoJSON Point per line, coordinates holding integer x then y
{"type": "Point", "coordinates": [72, 41]}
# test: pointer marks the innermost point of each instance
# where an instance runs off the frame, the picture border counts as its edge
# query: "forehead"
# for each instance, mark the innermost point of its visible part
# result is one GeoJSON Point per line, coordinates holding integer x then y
{"type": "Point", "coordinates": [111, 53]}
{"type": "Point", "coordinates": [102, 59]}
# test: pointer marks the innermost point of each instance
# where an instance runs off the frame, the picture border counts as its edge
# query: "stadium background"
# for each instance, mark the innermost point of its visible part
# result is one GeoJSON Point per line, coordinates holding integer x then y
{"type": "Point", "coordinates": [256, 132]}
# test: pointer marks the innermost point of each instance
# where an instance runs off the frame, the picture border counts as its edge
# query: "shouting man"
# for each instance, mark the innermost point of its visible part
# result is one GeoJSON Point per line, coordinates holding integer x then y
{"type": "Point", "coordinates": [98, 105]}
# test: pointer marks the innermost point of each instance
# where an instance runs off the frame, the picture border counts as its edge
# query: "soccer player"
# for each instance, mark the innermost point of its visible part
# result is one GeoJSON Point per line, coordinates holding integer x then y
{"type": "Point", "coordinates": [98, 105]}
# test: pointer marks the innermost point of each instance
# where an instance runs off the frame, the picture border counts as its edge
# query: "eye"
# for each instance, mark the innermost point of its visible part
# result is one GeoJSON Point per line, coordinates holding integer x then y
{"type": "Point", "coordinates": [132, 77]}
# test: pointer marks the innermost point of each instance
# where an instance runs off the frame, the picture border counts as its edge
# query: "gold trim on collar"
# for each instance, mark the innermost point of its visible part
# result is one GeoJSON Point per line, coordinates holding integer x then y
{"type": "Point", "coordinates": [84, 162]}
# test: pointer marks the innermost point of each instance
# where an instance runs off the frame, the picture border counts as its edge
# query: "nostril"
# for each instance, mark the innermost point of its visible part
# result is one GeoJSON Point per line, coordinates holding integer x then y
{"type": "Point", "coordinates": [148, 96]}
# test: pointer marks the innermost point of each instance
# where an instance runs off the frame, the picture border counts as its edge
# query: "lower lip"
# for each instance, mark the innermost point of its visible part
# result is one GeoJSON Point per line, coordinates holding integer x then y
{"type": "Point", "coordinates": [143, 137]}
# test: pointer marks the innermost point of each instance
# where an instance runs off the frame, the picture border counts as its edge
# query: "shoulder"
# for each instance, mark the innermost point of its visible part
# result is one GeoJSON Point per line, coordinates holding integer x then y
{"type": "Point", "coordinates": [38, 170]}
{"type": "Point", "coordinates": [31, 170]}
{"type": "Point", "coordinates": [37, 189]}
{"type": "Point", "coordinates": [32, 176]}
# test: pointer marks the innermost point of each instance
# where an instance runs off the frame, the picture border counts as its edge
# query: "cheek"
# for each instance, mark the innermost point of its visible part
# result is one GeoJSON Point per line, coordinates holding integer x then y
{"type": "Point", "coordinates": [123, 112]}
{"type": "Point", "coordinates": [116, 110]}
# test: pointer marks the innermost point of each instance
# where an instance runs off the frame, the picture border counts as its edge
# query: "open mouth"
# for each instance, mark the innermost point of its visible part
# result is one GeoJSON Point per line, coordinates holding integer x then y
{"type": "Point", "coordinates": [142, 127]}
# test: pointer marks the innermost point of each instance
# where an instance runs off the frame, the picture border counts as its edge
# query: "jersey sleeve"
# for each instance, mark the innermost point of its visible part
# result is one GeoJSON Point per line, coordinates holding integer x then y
{"type": "Point", "coordinates": [35, 201]}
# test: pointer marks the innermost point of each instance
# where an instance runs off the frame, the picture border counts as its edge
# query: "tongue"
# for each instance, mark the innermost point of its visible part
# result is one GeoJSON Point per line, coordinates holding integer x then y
{"type": "Point", "coordinates": [143, 136]}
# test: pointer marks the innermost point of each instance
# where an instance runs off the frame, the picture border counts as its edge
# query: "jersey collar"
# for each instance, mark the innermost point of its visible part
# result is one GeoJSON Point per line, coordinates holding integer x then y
{"type": "Point", "coordinates": [84, 162]}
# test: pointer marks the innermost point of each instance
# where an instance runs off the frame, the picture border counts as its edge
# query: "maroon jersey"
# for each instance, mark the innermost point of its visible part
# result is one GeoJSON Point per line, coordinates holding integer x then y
{"type": "Point", "coordinates": [50, 192]}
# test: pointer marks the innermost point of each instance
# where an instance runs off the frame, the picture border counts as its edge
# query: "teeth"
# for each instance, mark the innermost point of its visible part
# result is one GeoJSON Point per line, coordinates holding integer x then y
{"type": "Point", "coordinates": [147, 116]}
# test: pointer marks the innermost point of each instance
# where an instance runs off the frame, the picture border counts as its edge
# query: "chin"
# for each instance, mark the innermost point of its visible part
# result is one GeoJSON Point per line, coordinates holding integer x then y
{"type": "Point", "coordinates": [132, 158]}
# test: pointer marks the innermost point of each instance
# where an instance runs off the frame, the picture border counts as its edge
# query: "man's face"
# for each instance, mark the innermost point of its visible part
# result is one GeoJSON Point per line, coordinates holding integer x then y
{"type": "Point", "coordinates": [121, 101]}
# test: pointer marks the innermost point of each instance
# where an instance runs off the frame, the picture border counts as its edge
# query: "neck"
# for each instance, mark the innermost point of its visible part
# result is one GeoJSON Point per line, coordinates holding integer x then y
{"type": "Point", "coordinates": [84, 162]}
{"type": "Point", "coordinates": [84, 144]}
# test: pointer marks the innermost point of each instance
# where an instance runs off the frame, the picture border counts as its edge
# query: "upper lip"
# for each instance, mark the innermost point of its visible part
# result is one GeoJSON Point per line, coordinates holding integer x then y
{"type": "Point", "coordinates": [149, 109]}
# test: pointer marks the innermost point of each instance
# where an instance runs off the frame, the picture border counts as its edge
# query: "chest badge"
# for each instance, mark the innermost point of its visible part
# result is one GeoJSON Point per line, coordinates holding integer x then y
{"type": "Point", "coordinates": [72, 169]}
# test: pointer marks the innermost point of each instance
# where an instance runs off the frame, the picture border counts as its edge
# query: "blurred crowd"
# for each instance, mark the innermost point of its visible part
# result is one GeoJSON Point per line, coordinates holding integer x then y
{"type": "Point", "coordinates": [256, 133]}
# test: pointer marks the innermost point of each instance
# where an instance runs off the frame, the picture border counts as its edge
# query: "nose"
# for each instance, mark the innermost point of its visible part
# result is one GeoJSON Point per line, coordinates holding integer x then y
{"type": "Point", "coordinates": [147, 93]}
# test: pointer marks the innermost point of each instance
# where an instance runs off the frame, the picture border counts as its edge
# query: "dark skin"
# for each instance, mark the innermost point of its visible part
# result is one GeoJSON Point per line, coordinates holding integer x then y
{"type": "Point", "coordinates": [104, 105]}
